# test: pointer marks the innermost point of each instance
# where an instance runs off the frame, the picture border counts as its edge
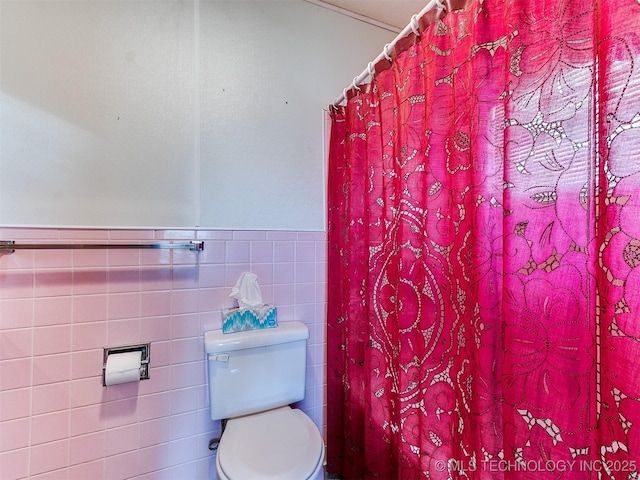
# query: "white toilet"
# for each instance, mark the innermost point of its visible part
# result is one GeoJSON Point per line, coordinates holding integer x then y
{"type": "Point", "coordinates": [253, 377]}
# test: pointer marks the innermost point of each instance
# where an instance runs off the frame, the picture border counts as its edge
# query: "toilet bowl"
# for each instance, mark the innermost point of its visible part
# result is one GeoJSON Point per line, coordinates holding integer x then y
{"type": "Point", "coordinates": [280, 444]}
{"type": "Point", "coordinates": [254, 377]}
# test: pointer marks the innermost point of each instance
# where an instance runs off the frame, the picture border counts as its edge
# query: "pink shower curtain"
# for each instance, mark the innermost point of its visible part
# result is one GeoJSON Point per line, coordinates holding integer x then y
{"type": "Point", "coordinates": [484, 232]}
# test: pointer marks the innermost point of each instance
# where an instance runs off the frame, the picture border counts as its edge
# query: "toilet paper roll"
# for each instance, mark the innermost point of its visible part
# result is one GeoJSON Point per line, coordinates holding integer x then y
{"type": "Point", "coordinates": [123, 367]}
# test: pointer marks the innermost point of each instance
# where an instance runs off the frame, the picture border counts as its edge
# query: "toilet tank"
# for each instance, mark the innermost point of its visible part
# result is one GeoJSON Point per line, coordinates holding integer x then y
{"type": "Point", "coordinates": [256, 370]}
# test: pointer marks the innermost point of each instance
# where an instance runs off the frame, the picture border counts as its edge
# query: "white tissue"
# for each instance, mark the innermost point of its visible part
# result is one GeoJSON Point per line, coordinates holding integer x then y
{"type": "Point", "coordinates": [247, 291]}
{"type": "Point", "coordinates": [123, 367]}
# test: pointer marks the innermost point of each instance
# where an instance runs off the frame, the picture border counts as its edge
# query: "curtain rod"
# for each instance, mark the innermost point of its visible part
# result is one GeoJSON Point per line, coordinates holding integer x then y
{"type": "Point", "coordinates": [9, 246]}
{"type": "Point", "coordinates": [411, 27]}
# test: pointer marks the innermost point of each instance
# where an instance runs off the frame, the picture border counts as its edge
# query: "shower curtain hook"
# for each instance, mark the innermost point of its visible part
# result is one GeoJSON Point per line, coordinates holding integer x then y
{"type": "Point", "coordinates": [440, 4]}
{"type": "Point", "coordinates": [344, 94]}
{"type": "Point", "coordinates": [355, 86]}
{"type": "Point", "coordinates": [370, 70]}
{"type": "Point", "coordinates": [414, 25]}
{"type": "Point", "coordinates": [386, 54]}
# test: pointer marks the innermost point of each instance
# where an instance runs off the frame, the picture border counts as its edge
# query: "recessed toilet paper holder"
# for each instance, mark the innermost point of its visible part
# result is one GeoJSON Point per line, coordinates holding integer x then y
{"type": "Point", "coordinates": [144, 348]}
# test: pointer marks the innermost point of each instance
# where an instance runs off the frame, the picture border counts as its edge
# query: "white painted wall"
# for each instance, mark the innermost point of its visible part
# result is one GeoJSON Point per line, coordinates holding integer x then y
{"type": "Point", "coordinates": [172, 113]}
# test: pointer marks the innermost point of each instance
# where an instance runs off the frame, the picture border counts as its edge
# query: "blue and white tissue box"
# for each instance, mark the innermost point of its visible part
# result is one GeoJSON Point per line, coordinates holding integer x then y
{"type": "Point", "coordinates": [253, 318]}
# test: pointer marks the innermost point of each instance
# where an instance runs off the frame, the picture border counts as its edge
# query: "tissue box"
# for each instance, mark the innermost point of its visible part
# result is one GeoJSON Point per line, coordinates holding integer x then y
{"type": "Point", "coordinates": [241, 319]}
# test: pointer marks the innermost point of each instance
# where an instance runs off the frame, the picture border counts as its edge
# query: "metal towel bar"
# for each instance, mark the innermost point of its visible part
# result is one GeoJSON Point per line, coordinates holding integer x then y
{"type": "Point", "coordinates": [9, 246]}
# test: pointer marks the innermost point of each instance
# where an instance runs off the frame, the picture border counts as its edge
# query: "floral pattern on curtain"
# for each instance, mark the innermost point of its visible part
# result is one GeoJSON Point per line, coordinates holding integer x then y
{"type": "Point", "coordinates": [484, 250]}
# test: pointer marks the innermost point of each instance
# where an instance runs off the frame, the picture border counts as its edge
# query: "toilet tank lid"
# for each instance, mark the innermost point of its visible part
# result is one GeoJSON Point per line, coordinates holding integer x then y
{"type": "Point", "coordinates": [215, 341]}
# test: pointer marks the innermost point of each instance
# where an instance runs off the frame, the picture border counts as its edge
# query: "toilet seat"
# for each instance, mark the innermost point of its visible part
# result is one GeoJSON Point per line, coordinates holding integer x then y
{"type": "Point", "coordinates": [279, 444]}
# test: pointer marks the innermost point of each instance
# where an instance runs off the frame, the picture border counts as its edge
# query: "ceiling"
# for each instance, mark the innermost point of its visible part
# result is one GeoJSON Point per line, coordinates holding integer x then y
{"type": "Point", "coordinates": [395, 13]}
